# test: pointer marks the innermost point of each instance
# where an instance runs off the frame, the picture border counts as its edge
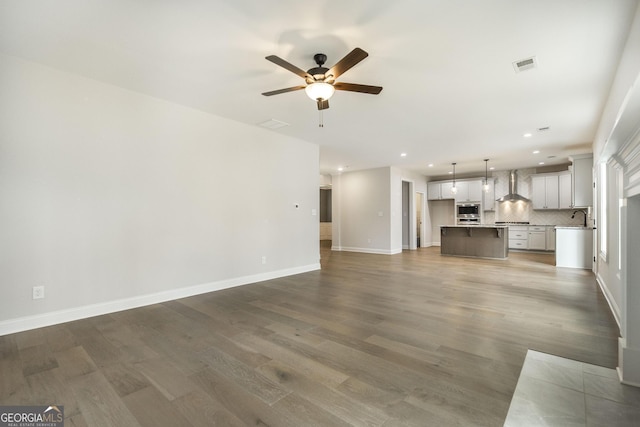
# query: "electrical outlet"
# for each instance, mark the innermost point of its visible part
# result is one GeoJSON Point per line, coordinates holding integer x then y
{"type": "Point", "coordinates": [264, 259]}
{"type": "Point", "coordinates": [38, 292]}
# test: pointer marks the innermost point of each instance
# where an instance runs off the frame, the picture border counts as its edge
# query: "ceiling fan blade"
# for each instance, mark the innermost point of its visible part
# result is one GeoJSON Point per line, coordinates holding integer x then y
{"type": "Point", "coordinates": [352, 87]}
{"type": "Point", "coordinates": [287, 65]}
{"type": "Point", "coordinates": [352, 58]}
{"type": "Point", "coordinates": [279, 91]}
{"type": "Point", "coordinates": [323, 104]}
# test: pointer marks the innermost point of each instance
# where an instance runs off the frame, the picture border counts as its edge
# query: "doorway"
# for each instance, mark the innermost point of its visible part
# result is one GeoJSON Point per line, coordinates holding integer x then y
{"type": "Point", "coordinates": [412, 216]}
{"type": "Point", "coordinates": [325, 215]}
{"type": "Point", "coordinates": [406, 219]}
{"type": "Point", "coordinates": [419, 216]}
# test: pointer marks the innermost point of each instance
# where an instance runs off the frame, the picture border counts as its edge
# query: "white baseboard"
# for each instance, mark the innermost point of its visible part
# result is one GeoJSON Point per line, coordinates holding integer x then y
{"type": "Point", "coordinates": [612, 303]}
{"type": "Point", "coordinates": [20, 324]}
{"type": "Point", "coordinates": [628, 363]}
{"type": "Point", "coordinates": [367, 250]}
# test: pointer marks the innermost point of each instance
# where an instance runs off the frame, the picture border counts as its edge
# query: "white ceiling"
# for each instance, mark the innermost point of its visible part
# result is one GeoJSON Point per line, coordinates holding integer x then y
{"type": "Point", "coordinates": [450, 91]}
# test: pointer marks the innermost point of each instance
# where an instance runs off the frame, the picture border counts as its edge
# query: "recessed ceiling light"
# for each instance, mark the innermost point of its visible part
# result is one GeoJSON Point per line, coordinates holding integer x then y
{"type": "Point", "coordinates": [450, 173]}
{"type": "Point", "coordinates": [536, 152]}
{"type": "Point", "coordinates": [527, 135]}
{"type": "Point", "coordinates": [340, 169]}
{"type": "Point", "coordinates": [492, 168]}
{"type": "Point", "coordinates": [541, 163]}
{"type": "Point", "coordinates": [430, 165]}
{"type": "Point", "coordinates": [403, 154]}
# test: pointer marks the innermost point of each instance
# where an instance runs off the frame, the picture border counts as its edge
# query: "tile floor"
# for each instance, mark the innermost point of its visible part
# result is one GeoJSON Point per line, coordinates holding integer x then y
{"type": "Point", "coordinates": [553, 391]}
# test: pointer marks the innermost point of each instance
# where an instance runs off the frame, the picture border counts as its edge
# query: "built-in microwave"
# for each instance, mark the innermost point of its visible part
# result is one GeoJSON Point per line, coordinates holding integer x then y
{"type": "Point", "coordinates": [468, 210]}
{"type": "Point", "coordinates": [468, 213]}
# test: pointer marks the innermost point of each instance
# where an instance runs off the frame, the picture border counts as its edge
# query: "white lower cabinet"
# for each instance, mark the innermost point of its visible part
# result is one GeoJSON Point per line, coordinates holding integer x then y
{"type": "Point", "coordinates": [551, 238]}
{"type": "Point", "coordinates": [537, 238]}
{"type": "Point", "coordinates": [532, 237]}
{"type": "Point", "coordinates": [518, 237]}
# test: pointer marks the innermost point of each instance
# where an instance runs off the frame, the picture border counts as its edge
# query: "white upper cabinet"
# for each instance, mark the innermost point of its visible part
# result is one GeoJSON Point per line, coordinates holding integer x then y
{"type": "Point", "coordinates": [445, 189]}
{"type": "Point", "coordinates": [433, 191]}
{"type": "Point", "coordinates": [439, 190]}
{"type": "Point", "coordinates": [469, 191]}
{"type": "Point", "coordinates": [564, 191]}
{"type": "Point", "coordinates": [582, 172]}
{"type": "Point", "coordinates": [545, 192]}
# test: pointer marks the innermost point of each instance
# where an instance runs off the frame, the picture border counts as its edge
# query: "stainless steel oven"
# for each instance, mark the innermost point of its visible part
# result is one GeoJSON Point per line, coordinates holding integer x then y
{"type": "Point", "coordinates": [468, 221]}
{"type": "Point", "coordinates": [468, 213]}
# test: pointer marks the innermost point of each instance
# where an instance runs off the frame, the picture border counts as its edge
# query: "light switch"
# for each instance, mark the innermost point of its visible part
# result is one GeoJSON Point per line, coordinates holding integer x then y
{"type": "Point", "coordinates": [314, 212]}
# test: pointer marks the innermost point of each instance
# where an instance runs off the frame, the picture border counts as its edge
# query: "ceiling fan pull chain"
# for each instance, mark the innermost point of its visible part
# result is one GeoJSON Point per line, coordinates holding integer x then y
{"type": "Point", "coordinates": [321, 122]}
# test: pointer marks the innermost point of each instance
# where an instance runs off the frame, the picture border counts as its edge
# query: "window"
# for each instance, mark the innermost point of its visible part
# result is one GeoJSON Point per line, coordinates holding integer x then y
{"type": "Point", "coordinates": [620, 187]}
{"type": "Point", "coordinates": [603, 210]}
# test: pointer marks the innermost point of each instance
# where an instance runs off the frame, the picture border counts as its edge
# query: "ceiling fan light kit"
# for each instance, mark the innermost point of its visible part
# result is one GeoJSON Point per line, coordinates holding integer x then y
{"type": "Point", "coordinates": [320, 91]}
{"type": "Point", "coordinates": [321, 81]}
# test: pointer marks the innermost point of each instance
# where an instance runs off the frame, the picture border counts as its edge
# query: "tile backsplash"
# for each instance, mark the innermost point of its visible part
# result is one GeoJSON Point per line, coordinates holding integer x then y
{"type": "Point", "coordinates": [522, 211]}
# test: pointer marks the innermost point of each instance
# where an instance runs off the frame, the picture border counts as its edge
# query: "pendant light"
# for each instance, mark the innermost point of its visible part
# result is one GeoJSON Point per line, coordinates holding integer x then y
{"type": "Point", "coordinates": [454, 190]}
{"type": "Point", "coordinates": [485, 187]}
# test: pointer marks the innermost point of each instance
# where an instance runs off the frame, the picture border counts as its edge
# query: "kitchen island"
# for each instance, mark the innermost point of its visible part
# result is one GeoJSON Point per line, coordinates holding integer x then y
{"type": "Point", "coordinates": [477, 241]}
{"type": "Point", "coordinates": [574, 247]}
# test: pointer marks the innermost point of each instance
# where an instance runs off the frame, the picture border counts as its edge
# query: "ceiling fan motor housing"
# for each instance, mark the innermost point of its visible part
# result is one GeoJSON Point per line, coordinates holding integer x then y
{"type": "Point", "coordinates": [320, 59]}
{"type": "Point", "coordinates": [319, 72]}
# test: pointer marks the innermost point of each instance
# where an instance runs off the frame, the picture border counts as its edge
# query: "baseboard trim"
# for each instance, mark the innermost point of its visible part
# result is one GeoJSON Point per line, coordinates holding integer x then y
{"type": "Point", "coordinates": [367, 250]}
{"type": "Point", "coordinates": [26, 323]}
{"type": "Point", "coordinates": [615, 310]}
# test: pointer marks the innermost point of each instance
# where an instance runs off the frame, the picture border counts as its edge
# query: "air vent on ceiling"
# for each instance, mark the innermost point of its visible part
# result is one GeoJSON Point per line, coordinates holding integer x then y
{"type": "Point", "coordinates": [544, 129]}
{"type": "Point", "coordinates": [525, 64]}
{"type": "Point", "coordinates": [273, 124]}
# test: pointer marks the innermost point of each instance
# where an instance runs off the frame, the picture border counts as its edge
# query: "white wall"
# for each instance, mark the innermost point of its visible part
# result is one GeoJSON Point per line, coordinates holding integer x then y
{"type": "Point", "coordinates": [441, 212]}
{"type": "Point", "coordinates": [616, 128]}
{"type": "Point", "coordinates": [417, 184]}
{"type": "Point", "coordinates": [605, 147]}
{"type": "Point", "coordinates": [361, 211]}
{"type": "Point", "coordinates": [367, 209]}
{"type": "Point", "coordinates": [625, 78]}
{"type": "Point", "coordinates": [113, 199]}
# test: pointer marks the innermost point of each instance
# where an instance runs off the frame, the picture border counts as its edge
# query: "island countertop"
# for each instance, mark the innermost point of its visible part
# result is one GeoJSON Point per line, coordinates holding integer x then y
{"type": "Point", "coordinates": [475, 226]}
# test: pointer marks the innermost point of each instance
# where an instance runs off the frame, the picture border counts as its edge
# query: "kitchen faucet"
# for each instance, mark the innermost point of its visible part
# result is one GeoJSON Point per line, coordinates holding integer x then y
{"type": "Point", "coordinates": [583, 212]}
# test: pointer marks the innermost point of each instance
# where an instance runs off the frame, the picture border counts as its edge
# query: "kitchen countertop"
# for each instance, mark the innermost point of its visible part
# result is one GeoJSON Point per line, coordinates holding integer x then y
{"type": "Point", "coordinates": [571, 227]}
{"type": "Point", "coordinates": [476, 226]}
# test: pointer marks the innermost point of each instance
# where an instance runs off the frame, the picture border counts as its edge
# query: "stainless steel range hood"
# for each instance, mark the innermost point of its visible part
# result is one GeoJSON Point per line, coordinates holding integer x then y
{"type": "Point", "coordinates": [513, 195]}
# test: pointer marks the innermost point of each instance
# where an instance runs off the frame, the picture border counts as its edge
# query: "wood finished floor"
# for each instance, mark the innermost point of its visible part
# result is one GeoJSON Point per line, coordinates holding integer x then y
{"type": "Point", "coordinates": [377, 340]}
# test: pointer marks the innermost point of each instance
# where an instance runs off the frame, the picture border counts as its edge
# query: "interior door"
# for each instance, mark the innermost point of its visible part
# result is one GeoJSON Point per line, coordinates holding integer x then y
{"type": "Point", "coordinates": [419, 215]}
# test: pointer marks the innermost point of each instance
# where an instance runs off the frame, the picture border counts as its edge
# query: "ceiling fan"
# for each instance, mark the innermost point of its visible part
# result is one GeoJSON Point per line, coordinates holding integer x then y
{"type": "Point", "coordinates": [321, 81]}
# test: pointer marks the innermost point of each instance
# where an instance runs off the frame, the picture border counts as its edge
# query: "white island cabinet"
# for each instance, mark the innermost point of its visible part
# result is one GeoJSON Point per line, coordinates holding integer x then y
{"type": "Point", "coordinates": [574, 247]}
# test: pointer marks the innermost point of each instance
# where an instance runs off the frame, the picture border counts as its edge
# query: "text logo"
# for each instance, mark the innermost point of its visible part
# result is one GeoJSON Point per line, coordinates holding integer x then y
{"type": "Point", "coordinates": [32, 416]}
